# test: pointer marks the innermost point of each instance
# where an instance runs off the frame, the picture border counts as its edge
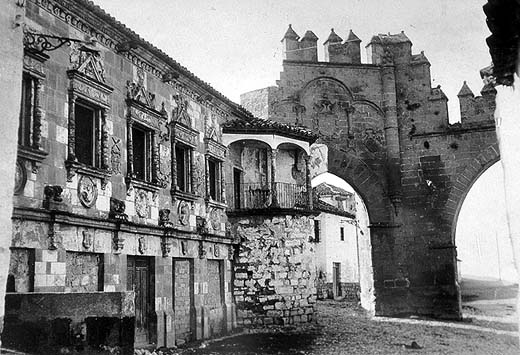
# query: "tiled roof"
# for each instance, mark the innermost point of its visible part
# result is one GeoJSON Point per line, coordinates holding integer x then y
{"type": "Point", "coordinates": [253, 124]}
{"type": "Point", "coordinates": [328, 208]}
{"type": "Point", "coordinates": [328, 189]}
{"type": "Point", "coordinates": [110, 20]}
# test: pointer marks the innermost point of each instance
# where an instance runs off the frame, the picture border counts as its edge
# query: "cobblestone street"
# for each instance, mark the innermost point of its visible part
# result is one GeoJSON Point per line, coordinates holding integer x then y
{"type": "Point", "coordinates": [344, 328]}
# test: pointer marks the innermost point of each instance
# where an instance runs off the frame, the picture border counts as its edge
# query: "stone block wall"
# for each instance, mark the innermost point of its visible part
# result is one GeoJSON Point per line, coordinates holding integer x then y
{"type": "Point", "coordinates": [21, 270]}
{"type": "Point", "coordinates": [84, 272]}
{"type": "Point", "coordinates": [183, 299]}
{"type": "Point", "coordinates": [49, 271]}
{"type": "Point", "coordinates": [274, 270]}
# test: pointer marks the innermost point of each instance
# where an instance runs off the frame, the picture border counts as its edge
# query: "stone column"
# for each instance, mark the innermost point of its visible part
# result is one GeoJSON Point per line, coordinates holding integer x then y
{"type": "Point", "coordinates": [104, 140]}
{"type": "Point", "coordinates": [392, 135]}
{"type": "Point", "coordinates": [222, 183]}
{"type": "Point", "coordinates": [38, 115]}
{"type": "Point", "coordinates": [191, 177]}
{"type": "Point", "coordinates": [129, 148]}
{"type": "Point", "coordinates": [173, 163]}
{"type": "Point", "coordinates": [72, 128]}
{"type": "Point", "coordinates": [11, 67]}
{"type": "Point", "coordinates": [310, 202]}
{"type": "Point", "coordinates": [274, 190]}
{"type": "Point", "coordinates": [207, 177]}
{"type": "Point", "coordinates": [155, 158]}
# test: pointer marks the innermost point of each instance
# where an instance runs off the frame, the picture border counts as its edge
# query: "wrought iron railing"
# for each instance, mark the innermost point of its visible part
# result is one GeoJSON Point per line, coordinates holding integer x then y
{"type": "Point", "coordinates": [260, 196]}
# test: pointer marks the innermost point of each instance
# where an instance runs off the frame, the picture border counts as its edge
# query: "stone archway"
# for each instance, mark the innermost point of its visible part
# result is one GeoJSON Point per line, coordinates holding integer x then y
{"type": "Point", "coordinates": [464, 181]}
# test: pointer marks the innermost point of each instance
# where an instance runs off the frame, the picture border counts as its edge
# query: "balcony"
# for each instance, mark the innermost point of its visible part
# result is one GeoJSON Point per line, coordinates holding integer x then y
{"type": "Point", "coordinates": [255, 196]}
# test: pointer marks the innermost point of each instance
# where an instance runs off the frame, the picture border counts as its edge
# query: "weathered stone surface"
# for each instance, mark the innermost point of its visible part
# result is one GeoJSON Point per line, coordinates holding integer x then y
{"type": "Point", "coordinates": [275, 254]}
{"type": "Point", "coordinates": [388, 135]}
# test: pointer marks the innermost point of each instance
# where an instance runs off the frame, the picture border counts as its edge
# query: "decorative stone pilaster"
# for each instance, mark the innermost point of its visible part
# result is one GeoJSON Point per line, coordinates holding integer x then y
{"type": "Point", "coordinates": [71, 156]}
{"type": "Point", "coordinates": [129, 148]}
{"type": "Point", "coordinates": [274, 190]}
{"type": "Point", "coordinates": [310, 202]}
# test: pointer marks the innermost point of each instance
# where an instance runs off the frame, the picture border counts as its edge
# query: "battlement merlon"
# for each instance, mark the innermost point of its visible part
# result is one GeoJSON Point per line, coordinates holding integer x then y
{"type": "Point", "coordinates": [477, 108]}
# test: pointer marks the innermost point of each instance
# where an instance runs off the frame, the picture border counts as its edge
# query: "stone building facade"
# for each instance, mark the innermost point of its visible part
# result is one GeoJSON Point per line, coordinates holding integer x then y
{"type": "Point", "coordinates": [336, 234]}
{"type": "Point", "coordinates": [271, 215]}
{"type": "Point", "coordinates": [388, 135]}
{"type": "Point", "coordinates": [120, 194]}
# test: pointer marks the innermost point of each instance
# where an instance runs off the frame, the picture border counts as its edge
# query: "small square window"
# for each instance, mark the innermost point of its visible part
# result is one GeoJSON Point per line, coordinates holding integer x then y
{"type": "Point", "coordinates": [142, 157]}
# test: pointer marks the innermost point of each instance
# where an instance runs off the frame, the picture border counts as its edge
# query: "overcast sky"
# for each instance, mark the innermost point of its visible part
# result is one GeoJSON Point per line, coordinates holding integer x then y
{"type": "Point", "coordinates": [235, 46]}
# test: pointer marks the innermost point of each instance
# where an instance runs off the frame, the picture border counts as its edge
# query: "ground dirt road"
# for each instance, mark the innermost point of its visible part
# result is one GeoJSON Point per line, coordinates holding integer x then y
{"type": "Point", "coordinates": [343, 328]}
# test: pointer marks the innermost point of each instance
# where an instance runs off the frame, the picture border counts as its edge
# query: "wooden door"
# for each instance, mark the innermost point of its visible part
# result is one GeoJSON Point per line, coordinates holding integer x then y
{"type": "Point", "coordinates": [139, 281]}
{"type": "Point", "coordinates": [336, 279]}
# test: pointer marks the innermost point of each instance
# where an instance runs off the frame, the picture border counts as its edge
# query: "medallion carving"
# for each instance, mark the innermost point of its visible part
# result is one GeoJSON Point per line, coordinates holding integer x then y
{"type": "Point", "coordinates": [141, 204]}
{"type": "Point", "coordinates": [20, 177]}
{"type": "Point", "coordinates": [87, 191]}
{"type": "Point", "coordinates": [88, 240]}
{"type": "Point", "coordinates": [216, 251]}
{"type": "Point", "coordinates": [214, 217]}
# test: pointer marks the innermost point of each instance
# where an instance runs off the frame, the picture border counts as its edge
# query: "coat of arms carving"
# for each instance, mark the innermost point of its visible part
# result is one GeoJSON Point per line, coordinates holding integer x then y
{"type": "Point", "coordinates": [87, 191]}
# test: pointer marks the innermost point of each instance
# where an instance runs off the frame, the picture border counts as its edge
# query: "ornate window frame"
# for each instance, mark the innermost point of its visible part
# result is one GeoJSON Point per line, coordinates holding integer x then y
{"type": "Point", "coordinates": [33, 69]}
{"type": "Point", "coordinates": [215, 152]}
{"type": "Point", "coordinates": [141, 111]}
{"type": "Point", "coordinates": [88, 84]}
{"type": "Point", "coordinates": [183, 134]}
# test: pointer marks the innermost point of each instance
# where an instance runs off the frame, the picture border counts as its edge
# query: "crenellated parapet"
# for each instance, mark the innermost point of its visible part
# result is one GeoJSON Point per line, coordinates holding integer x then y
{"type": "Point", "coordinates": [304, 49]}
{"type": "Point", "coordinates": [336, 50]}
{"type": "Point", "coordinates": [476, 108]}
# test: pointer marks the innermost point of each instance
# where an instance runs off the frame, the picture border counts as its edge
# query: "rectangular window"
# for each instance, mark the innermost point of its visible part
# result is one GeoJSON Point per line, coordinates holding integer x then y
{"type": "Point", "coordinates": [142, 153]}
{"type": "Point", "coordinates": [87, 130]}
{"type": "Point", "coordinates": [26, 111]}
{"type": "Point", "coordinates": [316, 230]}
{"type": "Point", "coordinates": [182, 156]}
{"type": "Point", "coordinates": [214, 167]}
{"type": "Point", "coordinates": [342, 233]}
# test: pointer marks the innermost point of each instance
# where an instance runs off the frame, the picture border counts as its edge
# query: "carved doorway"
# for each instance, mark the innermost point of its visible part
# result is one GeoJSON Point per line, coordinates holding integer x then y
{"type": "Point", "coordinates": [141, 281]}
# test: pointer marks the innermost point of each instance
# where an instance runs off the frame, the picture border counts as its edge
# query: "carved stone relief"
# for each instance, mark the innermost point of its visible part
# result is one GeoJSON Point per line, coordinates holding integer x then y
{"type": "Point", "coordinates": [143, 245]}
{"type": "Point", "coordinates": [183, 213]}
{"type": "Point", "coordinates": [88, 240]}
{"type": "Point", "coordinates": [198, 174]}
{"type": "Point", "coordinates": [115, 155]}
{"type": "Point", "coordinates": [215, 219]}
{"type": "Point", "coordinates": [141, 203]}
{"type": "Point", "coordinates": [87, 60]}
{"type": "Point", "coordinates": [87, 191]}
{"type": "Point", "coordinates": [20, 177]}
